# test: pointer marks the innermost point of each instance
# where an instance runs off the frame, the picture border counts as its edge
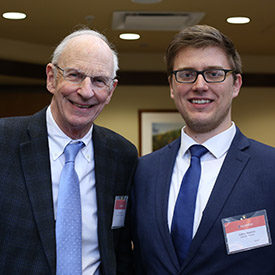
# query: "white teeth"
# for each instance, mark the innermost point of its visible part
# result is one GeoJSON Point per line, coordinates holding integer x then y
{"type": "Point", "coordinates": [81, 106]}
{"type": "Point", "coordinates": [200, 101]}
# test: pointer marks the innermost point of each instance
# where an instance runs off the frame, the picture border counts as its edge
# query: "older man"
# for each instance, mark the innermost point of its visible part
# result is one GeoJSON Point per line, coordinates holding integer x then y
{"type": "Point", "coordinates": [71, 221]}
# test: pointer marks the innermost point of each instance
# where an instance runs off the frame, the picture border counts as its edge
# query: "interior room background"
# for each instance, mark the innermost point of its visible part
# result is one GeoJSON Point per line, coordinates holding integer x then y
{"type": "Point", "coordinates": [253, 110]}
{"type": "Point", "coordinates": [26, 47]}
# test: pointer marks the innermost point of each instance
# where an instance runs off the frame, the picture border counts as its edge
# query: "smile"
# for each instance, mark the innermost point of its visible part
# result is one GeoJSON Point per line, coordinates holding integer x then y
{"type": "Point", "coordinates": [82, 106]}
{"type": "Point", "coordinates": [200, 101]}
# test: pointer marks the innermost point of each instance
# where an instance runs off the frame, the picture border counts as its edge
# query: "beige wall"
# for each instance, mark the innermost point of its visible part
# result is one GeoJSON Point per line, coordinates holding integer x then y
{"type": "Point", "coordinates": [121, 114]}
{"type": "Point", "coordinates": [253, 110]}
{"type": "Point", "coordinates": [254, 113]}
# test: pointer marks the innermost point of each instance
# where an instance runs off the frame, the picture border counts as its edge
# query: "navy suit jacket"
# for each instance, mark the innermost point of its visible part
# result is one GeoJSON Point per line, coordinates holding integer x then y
{"type": "Point", "coordinates": [246, 183]}
{"type": "Point", "coordinates": [27, 226]}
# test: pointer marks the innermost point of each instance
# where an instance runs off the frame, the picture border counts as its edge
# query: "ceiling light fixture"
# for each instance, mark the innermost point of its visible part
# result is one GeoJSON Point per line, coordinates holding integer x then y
{"type": "Point", "coordinates": [154, 20]}
{"type": "Point", "coordinates": [129, 36]}
{"type": "Point", "coordinates": [14, 15]}
{"type": "Point", "coordinates": [238, 20]}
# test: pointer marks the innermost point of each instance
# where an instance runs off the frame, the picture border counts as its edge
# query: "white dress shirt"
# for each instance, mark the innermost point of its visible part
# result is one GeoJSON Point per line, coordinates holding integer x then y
{"type": "Point", "coordinates": [84, 166]}
{"type": "Point", "coordinates": [211, 164]}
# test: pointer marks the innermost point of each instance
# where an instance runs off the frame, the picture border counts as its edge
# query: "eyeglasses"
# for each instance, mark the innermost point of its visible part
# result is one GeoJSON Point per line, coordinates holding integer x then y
{"type": "Point", "coordinates": [210, 75]}
{"type": "Point", "coordinates": [75, 76]}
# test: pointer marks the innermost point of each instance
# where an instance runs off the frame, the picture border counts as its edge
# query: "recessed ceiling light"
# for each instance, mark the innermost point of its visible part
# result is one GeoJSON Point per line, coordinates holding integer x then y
{"type": "Point", "coordinates": [238, 20]}
{"type": "Point", "coordinates": [129, 36]}
{"type": "Point", "coordinates": [14, 15]}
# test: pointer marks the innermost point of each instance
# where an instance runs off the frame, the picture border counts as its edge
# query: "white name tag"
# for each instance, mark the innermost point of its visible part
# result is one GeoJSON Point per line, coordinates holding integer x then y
{"type": "Point", "coordinates": [119, 211]}
{"type": "Point", "coordinates": [246, 232]}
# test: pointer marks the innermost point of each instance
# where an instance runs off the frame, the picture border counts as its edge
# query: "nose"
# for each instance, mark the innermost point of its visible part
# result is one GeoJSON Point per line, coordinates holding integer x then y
{"type": "Point", "coordinates": [200, 83]}
{"type": "Point", "coordinates": [86, 89]}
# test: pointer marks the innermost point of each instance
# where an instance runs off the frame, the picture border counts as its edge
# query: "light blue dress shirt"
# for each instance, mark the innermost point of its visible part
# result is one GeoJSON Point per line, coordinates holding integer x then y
{"type": "Point", "coordinates": [84, 166]}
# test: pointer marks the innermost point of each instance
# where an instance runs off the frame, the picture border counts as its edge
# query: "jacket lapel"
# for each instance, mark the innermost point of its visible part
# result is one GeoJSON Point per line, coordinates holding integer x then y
{"type": "Point", "coordinates": [232, 167]}
{"type": "Point", "coordinates": [106, 160]}
{"type": "Point", "coordinates": [164, 172]}
{"type": "Point", "coordinates": [36, 169]}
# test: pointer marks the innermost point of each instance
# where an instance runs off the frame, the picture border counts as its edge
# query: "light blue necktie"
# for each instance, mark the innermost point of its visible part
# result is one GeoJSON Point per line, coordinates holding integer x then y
{"type": "Point", "coordinates": [183, 219]}
{"type": "Point", "coordinates": [68, 219]}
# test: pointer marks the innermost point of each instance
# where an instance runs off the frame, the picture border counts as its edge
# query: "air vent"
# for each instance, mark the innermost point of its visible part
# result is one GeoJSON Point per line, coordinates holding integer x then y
{"type": "Point", "coordinates": [155, 21]}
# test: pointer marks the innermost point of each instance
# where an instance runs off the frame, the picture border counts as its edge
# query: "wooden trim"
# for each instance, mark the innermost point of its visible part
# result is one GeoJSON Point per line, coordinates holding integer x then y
{"type": "Point", "coordinates": [258, 80]}
{"type": "Point", "coordinates": [22, 69]}
{"type": "Point", "coordinates": [144, 78]}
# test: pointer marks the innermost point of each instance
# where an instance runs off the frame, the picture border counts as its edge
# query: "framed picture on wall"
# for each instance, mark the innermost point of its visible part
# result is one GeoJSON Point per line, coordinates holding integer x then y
{"type": "Point", "coordinates": [158, 128]}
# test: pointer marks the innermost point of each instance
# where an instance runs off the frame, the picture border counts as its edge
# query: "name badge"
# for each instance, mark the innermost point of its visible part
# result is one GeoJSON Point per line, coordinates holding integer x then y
{"type": "Point", "coordinates": [119, 211]}
{"type": "Point", "coordinates": [246, 232]}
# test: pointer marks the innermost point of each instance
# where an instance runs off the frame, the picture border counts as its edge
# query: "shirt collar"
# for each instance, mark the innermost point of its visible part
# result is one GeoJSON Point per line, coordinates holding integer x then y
{"type": "Point", "coordinates": [58, 140]}
{"type": "Point", "coordinates": [217, 145]}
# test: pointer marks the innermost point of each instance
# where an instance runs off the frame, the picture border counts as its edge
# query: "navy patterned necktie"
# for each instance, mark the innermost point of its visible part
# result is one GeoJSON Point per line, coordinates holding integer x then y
{"type": "Point", "coordinates": [69, 219]}
{"type": "Point", "coordinates": [183, 218]}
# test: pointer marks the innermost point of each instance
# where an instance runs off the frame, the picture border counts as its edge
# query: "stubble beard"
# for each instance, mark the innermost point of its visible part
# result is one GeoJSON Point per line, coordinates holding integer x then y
{"type": "Point", "coordinates": [208, 125]}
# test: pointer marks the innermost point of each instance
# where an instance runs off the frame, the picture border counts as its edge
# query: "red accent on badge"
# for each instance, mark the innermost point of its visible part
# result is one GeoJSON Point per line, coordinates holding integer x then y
{"type": "Point", "coordinates": [120, 204]}
{"type": "Point", "coordinates": [244, 224]}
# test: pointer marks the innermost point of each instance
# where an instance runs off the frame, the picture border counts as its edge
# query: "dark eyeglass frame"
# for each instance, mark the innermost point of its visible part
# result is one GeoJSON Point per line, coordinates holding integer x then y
{"type": "Point", "coordinates": [106, 81]}
{"type": "Point", "coordinates": [203, 74]}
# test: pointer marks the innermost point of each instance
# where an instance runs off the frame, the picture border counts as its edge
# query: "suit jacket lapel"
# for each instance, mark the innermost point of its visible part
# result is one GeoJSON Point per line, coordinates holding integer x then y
{"type": "Point", "coordinates": [106, 160]}
{"type": "Point", "coordinates": [164, 172]}
{"type": "Point", "coordinates": [36, 169]}
{"type": "Point", "coordinates": [232, 167]}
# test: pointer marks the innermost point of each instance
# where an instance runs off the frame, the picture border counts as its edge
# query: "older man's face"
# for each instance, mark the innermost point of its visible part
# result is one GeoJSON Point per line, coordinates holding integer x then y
{"type": "Point", "coordinates": [76, 105]}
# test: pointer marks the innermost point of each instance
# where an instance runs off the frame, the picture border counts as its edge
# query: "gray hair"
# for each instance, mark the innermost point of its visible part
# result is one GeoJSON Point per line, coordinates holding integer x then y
{"type": "Point", "coordinates": [62, 45]}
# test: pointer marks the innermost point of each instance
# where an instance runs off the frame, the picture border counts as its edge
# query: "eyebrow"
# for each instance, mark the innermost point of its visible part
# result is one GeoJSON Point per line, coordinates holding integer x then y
{"type": "Point", "coordinates": [82, 72]}
{"type": "Point", "coordinates": [193, 69]}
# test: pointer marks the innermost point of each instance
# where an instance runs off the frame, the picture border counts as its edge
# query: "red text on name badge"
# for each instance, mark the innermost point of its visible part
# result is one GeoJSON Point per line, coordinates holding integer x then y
{"type": "Point", "coordinates": [244, 224]}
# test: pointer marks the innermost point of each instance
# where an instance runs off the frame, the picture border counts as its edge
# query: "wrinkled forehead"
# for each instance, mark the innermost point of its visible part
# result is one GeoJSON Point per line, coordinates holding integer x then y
{"type": "Point", "coordinates": [86, 49]}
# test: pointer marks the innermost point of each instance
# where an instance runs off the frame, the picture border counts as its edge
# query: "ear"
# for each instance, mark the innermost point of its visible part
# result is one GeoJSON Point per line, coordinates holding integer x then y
{"type": "Point", "coordinates": [51, 81]}
{"type": "Point", "coordinates": [171, 87]}
{"type": "Point", "coordinates": [237, 85]}
{"type": "Point", "coordinates": [113, 87]}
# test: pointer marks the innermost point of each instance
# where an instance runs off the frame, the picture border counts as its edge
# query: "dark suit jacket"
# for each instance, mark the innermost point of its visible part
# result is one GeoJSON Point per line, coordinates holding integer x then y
{"type": "Point", "coordinates": [27, 226]}
{"type": "Point", "coordinates": [246, 183]}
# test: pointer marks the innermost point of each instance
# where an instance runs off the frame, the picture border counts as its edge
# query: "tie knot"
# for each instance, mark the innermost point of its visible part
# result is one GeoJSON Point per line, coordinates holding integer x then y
{"type": "Point", "coordinates": [71, 150]}
{"type": "Point", "coordinates": [198, 150]}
